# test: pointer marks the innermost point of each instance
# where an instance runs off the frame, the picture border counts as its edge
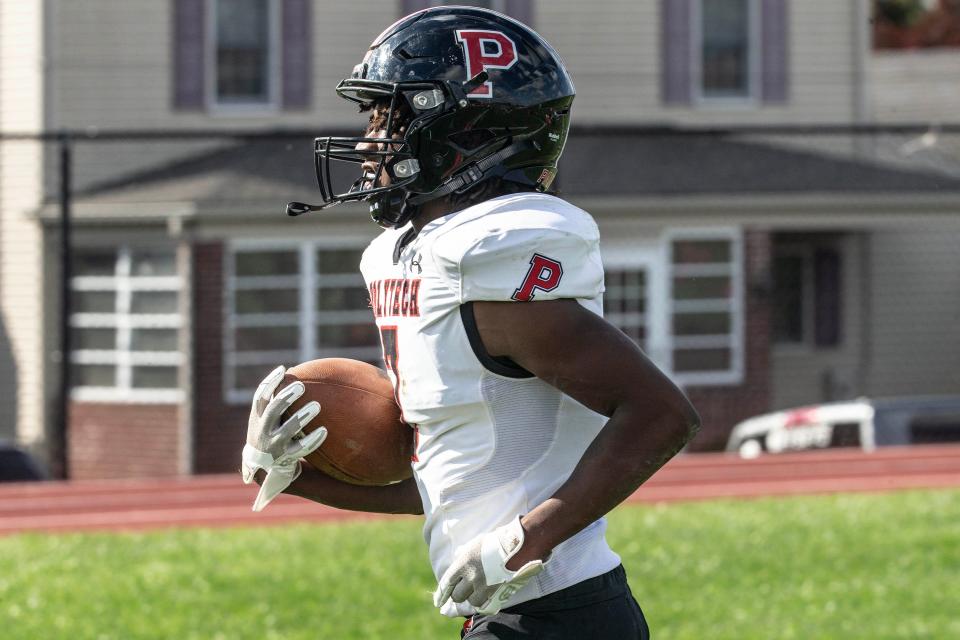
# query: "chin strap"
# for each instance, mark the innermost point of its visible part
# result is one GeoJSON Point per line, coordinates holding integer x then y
{"type": "Point", "coordinates": [473, 173]}
{"type": "Point", "coordinates": [392, 209]}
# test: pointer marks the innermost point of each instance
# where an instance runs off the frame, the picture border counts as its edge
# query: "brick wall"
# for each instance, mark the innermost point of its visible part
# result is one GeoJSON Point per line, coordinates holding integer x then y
{"type": "Point", "coordinates": [723, 407]}
{"type": "Point", "coordinates": [123, 440]}
{"type": "Point", "coordinates": [220, 428]}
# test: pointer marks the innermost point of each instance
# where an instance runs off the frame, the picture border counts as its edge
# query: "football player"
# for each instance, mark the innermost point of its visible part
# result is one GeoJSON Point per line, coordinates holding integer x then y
{"type": "Point", "coordinates": [534, 417]}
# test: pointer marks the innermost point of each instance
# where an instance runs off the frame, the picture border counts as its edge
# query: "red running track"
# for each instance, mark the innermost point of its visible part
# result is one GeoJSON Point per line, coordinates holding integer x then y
{"type": "Point", "coordinates": [223, 500]}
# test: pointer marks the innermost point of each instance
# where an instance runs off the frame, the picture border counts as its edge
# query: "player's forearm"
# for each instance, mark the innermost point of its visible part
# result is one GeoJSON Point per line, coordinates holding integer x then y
{"type": "Point", "coordinates": [402, 497]}
{"type": "Point", "coordinates": [622, 457]}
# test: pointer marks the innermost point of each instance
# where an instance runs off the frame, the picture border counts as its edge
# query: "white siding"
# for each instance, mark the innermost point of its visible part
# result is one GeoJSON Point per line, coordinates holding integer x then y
{"type": "Point", "coordinates": [612, 48]}
{"type": "Point", "coordinates": [111, 69]}
{"type": "Point", "coordinates": [916, 86]}
{"type": "Point", "coordinates": [901, 306]}
{"type": "Point", "coordinates": [915, 312]}
{"type": "Point", "coordinates": [21, 309]}
{"type": "Point", "coordinates": [112, 65]}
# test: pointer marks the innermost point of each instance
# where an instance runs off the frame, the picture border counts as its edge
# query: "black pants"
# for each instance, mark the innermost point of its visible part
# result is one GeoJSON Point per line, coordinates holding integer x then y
{"type": "Point", "coordinates": [600, 608]}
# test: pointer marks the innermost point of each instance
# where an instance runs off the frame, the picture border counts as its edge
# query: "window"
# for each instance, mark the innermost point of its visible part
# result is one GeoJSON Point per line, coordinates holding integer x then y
{"type": "Point", "coordinates": [706, 307]}
{"type": "Point", "coordinates": [125, 324]}
{"type": "Point", "coordinates": [293, 303]}
{"type": "Point", "coordinates": [625, 302]}
{"type": "Point", "coordinates": [681, 301]}
{"type": "Point", "coordinates": [726, 48]}
{"type": "Point", "coordinates": [243, 55]}
{"type": "Point", "coordinates": [807, 290]}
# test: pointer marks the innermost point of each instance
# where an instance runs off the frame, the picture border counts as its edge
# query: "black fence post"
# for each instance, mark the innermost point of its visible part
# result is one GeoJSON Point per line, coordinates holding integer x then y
{"type": "Point", "coordinates": [59, 437]}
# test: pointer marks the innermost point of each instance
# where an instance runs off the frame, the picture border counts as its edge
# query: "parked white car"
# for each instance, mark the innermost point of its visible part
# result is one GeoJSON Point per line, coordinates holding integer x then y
{"type": "Point", "coordinates": [864, 423]}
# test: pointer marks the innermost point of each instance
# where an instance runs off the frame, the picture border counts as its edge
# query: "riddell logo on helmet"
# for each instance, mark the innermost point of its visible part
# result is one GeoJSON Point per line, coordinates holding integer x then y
{"type": "Point", "coordinates": [484, 49]}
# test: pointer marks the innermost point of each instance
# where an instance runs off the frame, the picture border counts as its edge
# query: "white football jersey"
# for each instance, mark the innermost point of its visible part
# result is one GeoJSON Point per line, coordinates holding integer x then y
{"type": "Point", "coordinates": [493, 441]}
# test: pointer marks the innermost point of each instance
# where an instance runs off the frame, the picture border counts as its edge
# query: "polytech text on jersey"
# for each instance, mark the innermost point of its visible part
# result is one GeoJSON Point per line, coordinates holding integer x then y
{"type": "Point", "coordinates": [396, 297]}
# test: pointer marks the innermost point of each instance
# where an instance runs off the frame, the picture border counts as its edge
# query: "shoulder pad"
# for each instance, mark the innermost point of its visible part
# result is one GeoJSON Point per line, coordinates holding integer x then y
{"type": "Point", "coordinates": [523, 252]}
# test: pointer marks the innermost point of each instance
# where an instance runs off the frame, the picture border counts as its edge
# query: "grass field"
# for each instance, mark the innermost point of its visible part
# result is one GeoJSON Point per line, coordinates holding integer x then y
{"type": "Point", "coordinates": [848, 566]}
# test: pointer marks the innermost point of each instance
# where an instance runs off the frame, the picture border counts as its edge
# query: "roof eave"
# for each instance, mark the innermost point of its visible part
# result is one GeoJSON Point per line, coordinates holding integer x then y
{"type": "Point", "coordinates": [807, 209]}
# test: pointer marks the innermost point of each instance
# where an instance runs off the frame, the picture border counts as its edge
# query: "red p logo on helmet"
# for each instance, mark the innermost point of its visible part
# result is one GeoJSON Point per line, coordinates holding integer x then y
{"type": "Point", "coordinates": [483, 49]}
{"type": "Point", "coordinates": [544, 274]}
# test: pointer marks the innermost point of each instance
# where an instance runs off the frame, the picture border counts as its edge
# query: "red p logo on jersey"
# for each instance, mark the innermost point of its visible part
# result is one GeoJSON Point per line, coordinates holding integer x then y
{"type": "Point", "coordinates": [544, 274]}
{"type": "Point", "coordinates": [484, 49]}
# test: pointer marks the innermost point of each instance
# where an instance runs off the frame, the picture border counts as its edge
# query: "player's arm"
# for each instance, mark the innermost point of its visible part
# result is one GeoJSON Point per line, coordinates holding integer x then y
{"type": "Point", "coordinates": [402, 497]}
{"type": "Point", "coordinates": [593, 362]}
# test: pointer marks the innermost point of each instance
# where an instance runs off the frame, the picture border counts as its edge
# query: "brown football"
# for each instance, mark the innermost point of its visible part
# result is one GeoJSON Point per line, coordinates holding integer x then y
{"type": "Point", "coordinates": [367, 442]}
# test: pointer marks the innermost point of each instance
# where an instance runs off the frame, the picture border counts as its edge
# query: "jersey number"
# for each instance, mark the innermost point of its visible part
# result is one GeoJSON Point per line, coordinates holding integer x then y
{"type": "Point", "coordinates": [391, 359]}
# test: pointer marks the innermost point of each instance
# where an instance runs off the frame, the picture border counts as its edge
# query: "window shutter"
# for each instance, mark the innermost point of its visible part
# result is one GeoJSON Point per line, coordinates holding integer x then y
{"type": "Point", "coordinates": [297, 28]}
{"type": "Point", "coordinates": [675, 50]}
{"type": "Point", "coordinates": [409, 6]}
{"type": "Point", "coordinates": [774, 51]}
{"type": "Point", "coordinates": [826, 298]}
{"type": "Point", "coordinates": [189, 18]}
{"type": "Point", "coordinates": [522, 10]}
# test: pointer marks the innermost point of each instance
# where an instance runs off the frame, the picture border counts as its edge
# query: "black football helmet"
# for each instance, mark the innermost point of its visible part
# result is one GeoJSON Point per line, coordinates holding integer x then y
{"type": "Point", "coordinates": [487, 97]}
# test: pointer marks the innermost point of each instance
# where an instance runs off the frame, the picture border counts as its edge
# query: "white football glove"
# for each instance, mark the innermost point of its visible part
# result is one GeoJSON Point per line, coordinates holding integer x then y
{"type": "Point", "coordinates": [272, 446]}
{"type": "Point", "coordinates": [480, 575]}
